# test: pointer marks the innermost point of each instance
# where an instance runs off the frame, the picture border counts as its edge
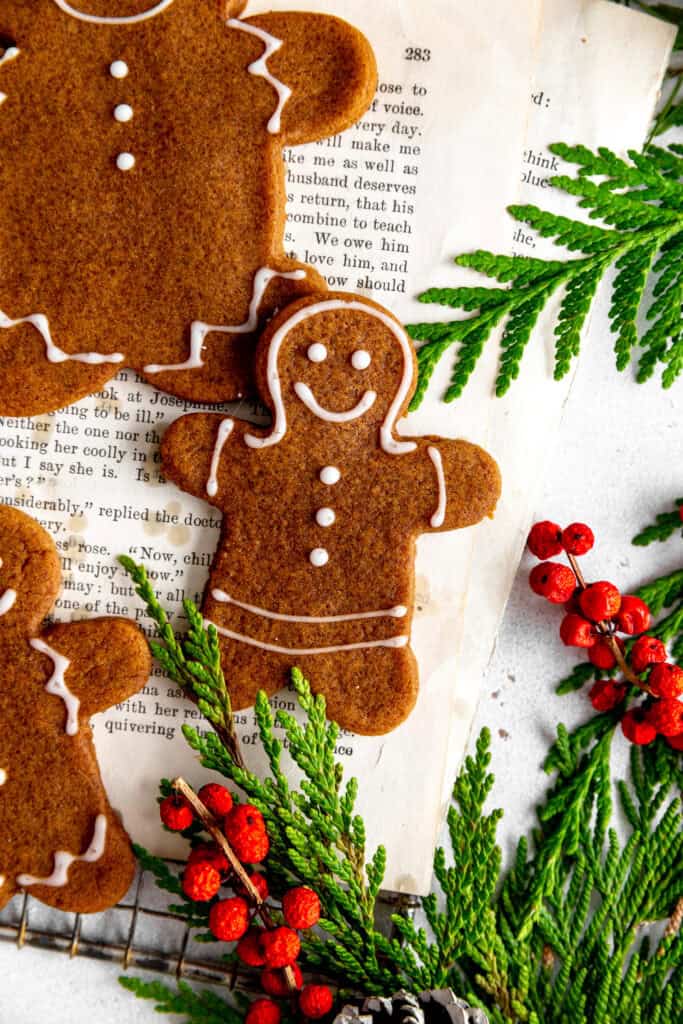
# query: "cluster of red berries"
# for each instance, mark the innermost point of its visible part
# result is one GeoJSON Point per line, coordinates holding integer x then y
{"type": "Point", "coordinates": [594, 614]}
{"type": "Point", "coordinates": [274, 947]}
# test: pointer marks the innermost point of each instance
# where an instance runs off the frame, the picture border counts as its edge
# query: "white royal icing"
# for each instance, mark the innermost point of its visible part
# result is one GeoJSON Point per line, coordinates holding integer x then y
{"type": "Point", "coordinates": [53, 353]}
{"type": "Point", "coordinates": [63, 860]}
{"type": "Point", "coordinates": [97, 19]}
{"type": "Point", "coordinates": [360, 360]}
{"type": "Point", "coordinates": [440, 514]}
{"type": "Point", "coordinates": [305, 395]}
{"type": "Point", "coordinates": [199, 330]}
{"type": "Point", "coordinates": [118, 69]}
{"type": "Point", "coordinates": [123, 112]}
{"type": "Point", "coordinates": [56, 686]}
{"type": "Point", "coordinates": [125, 161]}
{"type": "Point", "coordinates": [325, 516]}
{"type": "Point", "coordinates": [260, 69]}
{"type": "Point", "coordinates": [224, 432]}
{"type": "Point", "coordinates": [330, 475]}
{"type": "Point", "coordinates": [3, 776]}
{"type": "Point", "coordinates": [387, 442]}
{"type": "Point", "coordinates": [317, 353]}
{"type": "Point", "coordinates": [7, 601]}
{"type": "Point", "coordinates": [319, 557]}
{"type": "Point", "coordinates": [392, 641]}
{"type": "Point", "coordinates": [399, 611]}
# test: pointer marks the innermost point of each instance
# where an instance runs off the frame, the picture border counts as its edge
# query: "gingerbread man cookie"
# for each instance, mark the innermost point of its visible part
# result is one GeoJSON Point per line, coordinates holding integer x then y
{"type": "Point", "coordinates": [59, 837]}
{"type": "Point", "coordinates": [315, 566]}
{"type": "Point", "coordinates": [143, 192]}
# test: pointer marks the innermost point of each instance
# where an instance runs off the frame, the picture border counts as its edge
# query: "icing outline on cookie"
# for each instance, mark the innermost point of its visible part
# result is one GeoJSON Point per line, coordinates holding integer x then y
{"type": "Point", "coordinates": [439, 516]}
{"type": "Point", "coordinates": [7, 600]}
{"type": "Point", "coordinates": [53, 353]}
{"type": "Point", "coordinates": [392, 641]}
{"type": "Point", "coordinates": [224, 432]}
{"type": "Point", "coordinates": [260, 69]}
{"type": "Point", "coordinates": [399, 611]}
{"type": "Point", "coordinates": [56, 685]}
{"type": "Point", "coordinates": [388, 443]}
{"type": "Point", "coordinates": [101, 19]}
{"type": "Point", "coordinates": [63, 860]}
{"type": "Point", "coordinates": [199, 329]}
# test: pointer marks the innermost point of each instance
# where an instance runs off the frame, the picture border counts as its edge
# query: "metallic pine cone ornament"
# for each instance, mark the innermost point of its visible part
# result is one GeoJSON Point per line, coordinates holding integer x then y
{"type": "Point", "coordinates": [440, 1006]}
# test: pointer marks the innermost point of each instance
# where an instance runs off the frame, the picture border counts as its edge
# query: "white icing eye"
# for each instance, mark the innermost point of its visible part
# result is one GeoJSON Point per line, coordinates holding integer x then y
{"type": "Point", "coordinates": [319, 557]}
{"type": "Point", "coordinates": [125, 161]}
{"type": "Point", "coordinates": [325, 516]}
{"type": "Point", "coordinates": [123, 113]}
{"type": "Point", "coordinates": [330, 475]}
{"type": "Point", "coordinates": [317, 353]}
{"type": "Point", "coordinates": [119, 69]}
{"type": "Point", "coordinates": [360, 360]}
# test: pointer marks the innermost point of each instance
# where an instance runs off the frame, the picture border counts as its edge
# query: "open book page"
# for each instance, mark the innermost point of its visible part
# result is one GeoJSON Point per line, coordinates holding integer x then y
{"type": "Point", "coordinates": [600, 68]}
{"type": "Point", "coordinates": [379, 210]}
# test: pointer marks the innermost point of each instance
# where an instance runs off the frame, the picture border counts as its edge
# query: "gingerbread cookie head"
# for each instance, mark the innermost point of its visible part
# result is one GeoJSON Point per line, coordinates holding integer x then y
{"type": "Point", "coordinates": [315, 566]}
{"type": "Point", "coordinates": [142, 174]}
{"type": "Point", "coordinates": [59, 837]}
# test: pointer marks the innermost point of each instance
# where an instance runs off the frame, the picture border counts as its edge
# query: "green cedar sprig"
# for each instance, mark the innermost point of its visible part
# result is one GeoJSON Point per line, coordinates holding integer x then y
{"type": "Point", "coordinates": [203, 1007]}
{"type": "Point", "coordinates": [664, 526]}
{"type": "Point", "coordinates": [639, 203]}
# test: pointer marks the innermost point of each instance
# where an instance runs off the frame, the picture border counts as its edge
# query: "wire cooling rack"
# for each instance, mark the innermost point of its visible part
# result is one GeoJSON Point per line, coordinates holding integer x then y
{"type": "Point", "coordinates": [141, 932]}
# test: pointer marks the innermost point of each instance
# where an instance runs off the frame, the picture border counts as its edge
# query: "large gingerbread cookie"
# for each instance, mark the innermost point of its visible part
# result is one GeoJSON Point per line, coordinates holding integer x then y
{"type": "Point", "coordinates": [59, 837]}
{"type": "Point", "coordinates": [315, 566]}
{"type": "Point", "coordinates": [142, 183]}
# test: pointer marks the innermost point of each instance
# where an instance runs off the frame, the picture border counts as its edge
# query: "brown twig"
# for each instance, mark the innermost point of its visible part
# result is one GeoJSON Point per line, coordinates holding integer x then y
{"type": "Point", "coordinates": [211, 825]}
{"type": "Point", "coordinates": [675, 921]}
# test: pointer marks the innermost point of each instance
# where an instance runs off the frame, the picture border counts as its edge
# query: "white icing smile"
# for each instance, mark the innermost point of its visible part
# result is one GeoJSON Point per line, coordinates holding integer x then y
{"type": "Point", "coordinates": [97, 19]}
{"type": "Point", "coordinates": [305, 395]}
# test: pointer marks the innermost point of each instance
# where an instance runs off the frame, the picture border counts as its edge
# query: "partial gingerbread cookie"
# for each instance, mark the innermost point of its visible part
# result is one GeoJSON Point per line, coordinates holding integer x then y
{"type": "Point", "coordinates": [143, 186]}
{"type": "Point", "coordinates": [315, 566]}
{"type": "Point", "coordinates": [59, 837]}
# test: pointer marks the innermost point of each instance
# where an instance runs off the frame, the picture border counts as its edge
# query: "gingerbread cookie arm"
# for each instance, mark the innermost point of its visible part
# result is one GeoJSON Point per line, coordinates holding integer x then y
{"type": "Point", "coordinates": [463, 482]}
{"type": "Point", "coordinates": [322, 69]}
{"type": "Point", "coordinates": [194, 455]}
{"type": "Point", "coordinates": [95, 664]}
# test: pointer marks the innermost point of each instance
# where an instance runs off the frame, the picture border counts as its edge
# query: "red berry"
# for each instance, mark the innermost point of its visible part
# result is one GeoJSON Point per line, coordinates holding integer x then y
{"type": "Point", "coordinates": [245, 830]}
{"type": "Point", "coordinates": [680, 513]}
{"type": "Point", "coordinates": [605, 694]}
{"type": "Point", "coordinates": [572, 605]}
{"type": "Point", "coordinates": [600, 601]}
{"type": "Point", "coordinates": [229, 919]}
{"type": "Point", "coordinates": [249, 948]}
{"type": "Point", "coordinates": [201, 882]}
{"type": "Point", "coordinates": [666, 716]}
{"type": "Point", "coordinates": [216, 799]}
{"type": "Point", "coordinates": [258, 881]}
{"type": "Point", "coordinates": [208, 853]}
{"type": "Point", "coordinates": [545, 540]}
{"type": "Point", "coordinates": [577, 632]}
{"type": "Point", "coordinates": [263, 1011]}
{"type": "Point", "coordinates": [301, 907]}
{"type": "Point", "coordinates": [636, 729]}
{"type": "Point", "coordinates": [315, 1001]}
{"type": "Point", "coordinates": [666, 680]}
{"type": "Point", "coordinates": [647, 650]}
{"type": "Point", "coordinates": [176, 813]}
{"type": "Point", "coordinates": [601, 654]}
{"type": "Point", "coordinates": [675, 741]}
{"type": "Point", "coordinates": [280, 946]}
{"type": "Point", "coordinates": [577, 539]}
{"type": "Point", "coordinates": [634, 615]}
{"type": "Point", "coordinates": [554, 581]}
{"type": "Point", "coordinates": [273, 982]}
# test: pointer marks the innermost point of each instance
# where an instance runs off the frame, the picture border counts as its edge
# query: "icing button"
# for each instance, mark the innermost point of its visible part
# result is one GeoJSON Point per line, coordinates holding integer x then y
{"type": "Point", "coordinates": [330, 475]}
{"type": "Point", "coordinates": [123, 113]}
{"type": "Point", "coordinates": [125, 161]}
{"type": "Point", "coordinates": [360, 360]}
{"type": "Point", "coordinates": [319, 557]}
{"type": "Point", "coordinates": [118, 69]}
{"type": "Point", "coordinates": [325, 516]}
{"type": "Point", "coordinates": [317, 353]}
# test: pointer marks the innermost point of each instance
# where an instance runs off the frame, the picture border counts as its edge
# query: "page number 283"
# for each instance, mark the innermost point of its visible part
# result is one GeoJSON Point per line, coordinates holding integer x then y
{"type": "Point", "coordinates": [417, 53]}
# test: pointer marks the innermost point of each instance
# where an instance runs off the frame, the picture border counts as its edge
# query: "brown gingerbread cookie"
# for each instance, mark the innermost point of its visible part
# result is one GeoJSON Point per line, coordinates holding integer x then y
{"type": "Point", "coordinates": [315, 566]}
{"type": "Point", "coordinates": [143, 190]}
{"type": "Point", "coordinates": [59, 837]}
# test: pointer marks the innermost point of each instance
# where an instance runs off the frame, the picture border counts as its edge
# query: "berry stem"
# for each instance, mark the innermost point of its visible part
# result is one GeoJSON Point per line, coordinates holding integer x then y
{"type": "Point", "coordinates": [605, 632]}
{"type": "Point", "coordinates": [211, 825]}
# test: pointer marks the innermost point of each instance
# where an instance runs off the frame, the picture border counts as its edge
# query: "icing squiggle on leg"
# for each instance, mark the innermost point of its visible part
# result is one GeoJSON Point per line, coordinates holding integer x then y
{"type": "Point", "coordinates": [63, 860]}
{"type": "Point", "coordinates": [199, 330]}
{"type": "Point", "coordinates": [260, 69]}
{"type": "Point", "coordinates": [53, 353]}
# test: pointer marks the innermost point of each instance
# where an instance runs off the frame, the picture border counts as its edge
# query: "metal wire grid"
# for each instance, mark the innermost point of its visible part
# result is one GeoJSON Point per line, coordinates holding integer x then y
{"type": "Point", "coordinates": [141, 932]}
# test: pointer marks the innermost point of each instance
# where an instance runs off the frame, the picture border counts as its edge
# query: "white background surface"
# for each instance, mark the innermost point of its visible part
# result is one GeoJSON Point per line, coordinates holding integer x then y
{"type": "Point", "coordinates": [618, 462]}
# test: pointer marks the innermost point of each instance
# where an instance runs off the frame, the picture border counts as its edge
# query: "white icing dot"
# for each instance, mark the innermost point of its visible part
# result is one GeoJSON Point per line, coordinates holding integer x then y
{"type": "Point", "coordinates": [319, 557]}
{"type": "Point", "coordinates": [3, 776]}
{"type": "Point", "coordinates": [325, 516]}
{"type": "Point", "coordinates": [123, 113]}
{"type": "Point", "coordinates": [330, 475]}
{"type": "Point", "coordinates": [360, 360]}
{"type": "Point", "coordinates": [119, 69]}
{"type": "Point", "coordinates": [2, 881]}
{"type": "Point", "coordinates": [317, 353]}
{"type": "Point", "coordinates": [125, 161]}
